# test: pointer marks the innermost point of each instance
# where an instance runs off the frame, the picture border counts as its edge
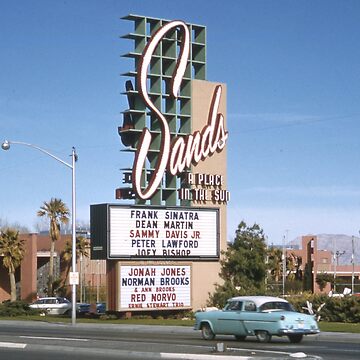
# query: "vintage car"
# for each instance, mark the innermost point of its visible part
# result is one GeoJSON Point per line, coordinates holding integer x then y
{"type": "Point", "coordinates": [52, 305]}
{"type": "Point", "coordinates": [260, 316]}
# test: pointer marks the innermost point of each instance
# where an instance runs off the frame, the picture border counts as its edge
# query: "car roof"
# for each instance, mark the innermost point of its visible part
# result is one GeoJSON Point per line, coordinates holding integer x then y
{"type": "Point", "coordinates": [258, 300]}
{"type": "Point", "coordinates": [51, 297]}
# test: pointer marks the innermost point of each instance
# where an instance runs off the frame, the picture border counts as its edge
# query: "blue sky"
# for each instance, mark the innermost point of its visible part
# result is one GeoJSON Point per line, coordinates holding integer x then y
{"type": "Point", "coordinates": [293, 74]}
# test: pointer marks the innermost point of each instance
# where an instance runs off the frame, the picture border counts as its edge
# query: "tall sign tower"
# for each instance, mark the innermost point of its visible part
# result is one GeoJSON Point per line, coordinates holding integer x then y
{"type": "Point", "coordinates": [163, 251]}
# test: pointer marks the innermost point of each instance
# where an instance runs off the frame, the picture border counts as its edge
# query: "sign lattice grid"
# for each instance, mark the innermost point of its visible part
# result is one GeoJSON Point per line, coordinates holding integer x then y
{"type": "Point", "coordinates": [176, 110]}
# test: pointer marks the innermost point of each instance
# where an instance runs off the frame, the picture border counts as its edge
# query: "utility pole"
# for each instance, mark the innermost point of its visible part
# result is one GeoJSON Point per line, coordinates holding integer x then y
{"type": "Point", "coordinates": [353, 264]}
{"type": "Point", "coordinates": [98, 281]}
{"type": "Point", "coordinates": [284, 262]}
{"type": "Point", "coordinates": [337, 254]}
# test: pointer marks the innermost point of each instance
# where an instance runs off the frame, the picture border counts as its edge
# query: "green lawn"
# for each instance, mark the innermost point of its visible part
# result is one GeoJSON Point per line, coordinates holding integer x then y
{"type": "Point", "coordinates": [324, 326]}
{"type": "Point", "coordinates": [133, 321]}
{"type": "Point", "coordinates": [340, 327]}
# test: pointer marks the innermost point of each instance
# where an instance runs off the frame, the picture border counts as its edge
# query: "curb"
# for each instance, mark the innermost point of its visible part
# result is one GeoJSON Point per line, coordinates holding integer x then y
{"type": "Point", "coordinates": [155, 355]}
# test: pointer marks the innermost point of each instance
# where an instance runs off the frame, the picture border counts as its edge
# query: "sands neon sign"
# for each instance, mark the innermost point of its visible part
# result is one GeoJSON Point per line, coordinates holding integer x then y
{"type": "Point", "coordinates": [182, 151]}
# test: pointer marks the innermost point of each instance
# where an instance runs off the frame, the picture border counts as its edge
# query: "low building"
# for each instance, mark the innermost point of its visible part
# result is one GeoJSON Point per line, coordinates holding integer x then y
{"type": "Point", "coordinates": [325, 261]}
{"type": "Point", "coordinates": [31, 276]}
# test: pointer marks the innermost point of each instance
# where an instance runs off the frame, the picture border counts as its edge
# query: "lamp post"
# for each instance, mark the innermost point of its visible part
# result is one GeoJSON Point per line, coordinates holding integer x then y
{"type": "Point", "coordinates": [6, 146]}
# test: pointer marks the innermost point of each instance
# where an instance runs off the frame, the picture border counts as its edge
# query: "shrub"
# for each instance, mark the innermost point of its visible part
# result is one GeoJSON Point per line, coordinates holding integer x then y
{"type": "Point", "coordinates": [108, 317]}
{"type": "Point", "coordinates": [336, 309]}
{"type": "Point", "coordinates": [16, 308]}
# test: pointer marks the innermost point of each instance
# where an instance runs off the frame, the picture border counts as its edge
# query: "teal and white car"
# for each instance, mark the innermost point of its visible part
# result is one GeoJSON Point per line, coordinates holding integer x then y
{"type": "Point", "coordinates": [260, 316]}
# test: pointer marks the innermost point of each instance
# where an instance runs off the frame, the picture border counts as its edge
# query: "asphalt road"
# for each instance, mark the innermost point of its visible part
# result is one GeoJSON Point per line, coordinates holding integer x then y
{"type": "Point", "coordinates": [38, 340]}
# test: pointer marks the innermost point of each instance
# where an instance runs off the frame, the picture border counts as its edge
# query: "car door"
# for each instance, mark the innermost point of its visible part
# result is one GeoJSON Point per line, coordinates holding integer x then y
{"type": "Point", "coordinates": [50, 305]}
{"type": "Point", "coordinates": [250, 316]}
{"type": "Point", "coordinates": [39, 304]}
{"type": "Point", "coordinates": [230, 320]}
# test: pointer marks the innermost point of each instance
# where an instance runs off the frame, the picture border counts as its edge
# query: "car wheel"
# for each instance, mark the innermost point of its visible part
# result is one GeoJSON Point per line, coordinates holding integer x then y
{"type": "Point", "coordinates": [295, 338]}
{"type": "Point", "coordinates": [206, 332]}
{"type": "Point", "coordinates": [263, 336]}
{"type": "Point", "coordinates": [240, 337]}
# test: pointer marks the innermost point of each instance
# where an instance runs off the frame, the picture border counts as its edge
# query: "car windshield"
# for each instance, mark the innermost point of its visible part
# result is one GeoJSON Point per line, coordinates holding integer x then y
{"type": "Point", "coordinates": [276, 306]}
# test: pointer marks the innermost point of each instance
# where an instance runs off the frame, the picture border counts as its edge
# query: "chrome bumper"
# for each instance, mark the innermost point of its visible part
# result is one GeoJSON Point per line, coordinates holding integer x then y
{"type": "Point", "coordinates": [299, 331]}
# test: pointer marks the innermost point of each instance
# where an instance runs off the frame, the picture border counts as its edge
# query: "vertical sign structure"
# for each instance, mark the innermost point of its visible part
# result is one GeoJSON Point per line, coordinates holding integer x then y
{"type": "Point", "coordinates": [175, 126]}
{"type": "Point", "coordinates": [176, 109]}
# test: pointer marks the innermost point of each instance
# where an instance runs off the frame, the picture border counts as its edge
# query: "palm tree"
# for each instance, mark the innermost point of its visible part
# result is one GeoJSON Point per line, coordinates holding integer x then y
{"type": "Point", "coordinates": [275, 262]}
{"type": "Point", "coordinates": [82, 249]}
{"type": "Point", "coordinates": [58, 213]}
{"type": "Point", "coordinates": [12, 250]}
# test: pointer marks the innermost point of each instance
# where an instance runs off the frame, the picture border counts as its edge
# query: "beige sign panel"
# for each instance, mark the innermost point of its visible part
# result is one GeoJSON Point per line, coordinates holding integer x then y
{"type": "Point", "coordinates": [155, 287]}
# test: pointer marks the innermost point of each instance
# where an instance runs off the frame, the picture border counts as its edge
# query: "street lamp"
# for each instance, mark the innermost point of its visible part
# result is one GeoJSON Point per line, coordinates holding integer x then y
{"type": "Point", "coordinates": [6, 146]}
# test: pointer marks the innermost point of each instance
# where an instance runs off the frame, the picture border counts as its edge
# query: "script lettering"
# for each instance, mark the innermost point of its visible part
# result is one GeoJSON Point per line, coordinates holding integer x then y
{"type": "Point", "coordinates": [179, 154]}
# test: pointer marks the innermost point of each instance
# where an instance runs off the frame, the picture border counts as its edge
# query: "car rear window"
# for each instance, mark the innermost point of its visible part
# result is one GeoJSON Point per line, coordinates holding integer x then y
{"type": "Point", "coordinates": [276, 305]}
